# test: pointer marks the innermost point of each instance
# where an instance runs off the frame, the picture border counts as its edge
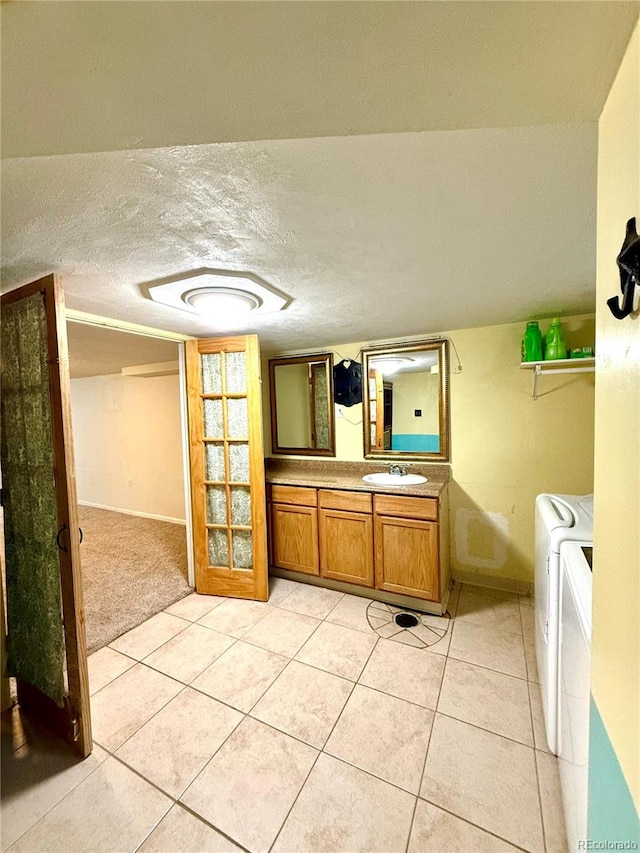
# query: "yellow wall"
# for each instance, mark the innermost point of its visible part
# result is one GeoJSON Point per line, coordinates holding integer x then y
{"type": "Point", "coordinates": [415, 391]}
{"type": "Point", "coordinates": [506, 447]}
{"type": "Point", "coordinates": [616, 584]}
{"type": "Point", "coordinates": [128, 444]}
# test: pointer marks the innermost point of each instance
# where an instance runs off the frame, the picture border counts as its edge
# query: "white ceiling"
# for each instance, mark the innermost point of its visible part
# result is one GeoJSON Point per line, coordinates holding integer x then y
{"type": "Point", "coordinates": [95, 351]}
{"type": "Point", "coordinates": [450, 181]}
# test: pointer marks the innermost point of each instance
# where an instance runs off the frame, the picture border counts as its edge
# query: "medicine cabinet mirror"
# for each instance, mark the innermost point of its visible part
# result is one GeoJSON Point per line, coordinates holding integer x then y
{"type": "Point", "coordinates": [301, 392]}
{"type": "Point", "coordinates": [406, 402]}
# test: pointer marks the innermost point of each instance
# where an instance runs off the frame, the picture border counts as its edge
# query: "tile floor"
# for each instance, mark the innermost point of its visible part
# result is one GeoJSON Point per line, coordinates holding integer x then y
{"type": "Point", "coordinates": [292, 726]}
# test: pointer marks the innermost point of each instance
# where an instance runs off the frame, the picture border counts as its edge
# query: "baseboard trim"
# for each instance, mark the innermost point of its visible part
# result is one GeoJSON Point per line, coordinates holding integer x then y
{"type": "Point", "coordinates": [134, 512]}
{"type": "Point", "coordinates": [503, 584]}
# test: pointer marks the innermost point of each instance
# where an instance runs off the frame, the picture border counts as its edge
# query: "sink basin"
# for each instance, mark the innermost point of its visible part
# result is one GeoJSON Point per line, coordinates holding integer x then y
{"type": "Point", "coordinates": [385, 479]}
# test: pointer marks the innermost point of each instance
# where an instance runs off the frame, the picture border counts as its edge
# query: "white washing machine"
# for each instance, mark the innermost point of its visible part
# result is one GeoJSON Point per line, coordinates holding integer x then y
{"type": "Point", "coordinates": [574, 686]}
{"type": "Point", "coordinates": [559, 519]}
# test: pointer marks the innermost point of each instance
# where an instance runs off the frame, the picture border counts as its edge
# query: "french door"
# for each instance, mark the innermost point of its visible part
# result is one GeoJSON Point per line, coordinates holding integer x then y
{"type": "Point", "coordinates": [45, 620]}
{"type": "Point", "coordinates": [227, 466]}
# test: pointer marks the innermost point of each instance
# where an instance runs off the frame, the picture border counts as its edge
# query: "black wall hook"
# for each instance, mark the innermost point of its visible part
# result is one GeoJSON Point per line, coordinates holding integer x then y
{"type": "Point", "coordinates": [629, 264]}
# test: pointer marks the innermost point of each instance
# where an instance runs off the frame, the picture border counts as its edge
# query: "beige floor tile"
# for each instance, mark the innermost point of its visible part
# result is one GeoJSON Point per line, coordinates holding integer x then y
{"type": "Point", "coordinates": [342, 809]}
{"type": "Point", "coordinates": [279, 589]}
{"type": "Point", "coordinates": [194, 606]}
{"type": "Point", "coordinates": [125, 704]}
{"type": "Point", "coordinates": [489, 611]}
{"type": "Point", "coordinates": [527, 616]}
{"type": "Point", "coordinates": [235, 616]}
{"type": "Point", "coordinates": [434, 829]}
{"type": "Point", "coordinates": [488, 699]}
{"type": "Point", "coordinates": [182, 832]}
{"type": "Point", "coordinates": [488, 592]}
{"type": "Point", "coordinates": [304, 702]}
{"type": "Point", "coordinates": [105, 665]}
{"type": "Point", "coordinates": [527, 600]}
{"type": "Point", "coordinates": [282, 631]}
{"type": "Point", "coordinates": [241, 675]}
{"type": "Point", "coordinates": [341, 651]}
{"type": "Point", "coordinates": [537, 714]}
{"type": "Point", "coordinates": [485, 779]}
{"type": "Point", "coordinates": [531, 660]}
{"type": "Point", "coordinates": [189, 653]}
{"type": "Point", "coordinates": [37, 776]}
{"type": "Point", "coordinates": [551, 797]}
{"type": "Point", "coordinates": [173, 747]}
{"type": "Point", "coordinates": [146, 638]}
{"type": "Point", "coordinates": [16, 729]}
{"type": "Point", "coordinates": [312, 601]}
{"type": "Point", "coordinates": [384, 736]}
{"type": "Point", "coordinates": [488, 647]}
{"type": "Point", "coordinates": [408, 638]}
{"type": "Point", "coordinates": [405, 672]}
{"type": "Point", "coordinates": [351, 612]}
{"type": "Point", "coordinates": [454, 598]}
{"type": "Point", "coordinates": [248, 787]}
{"type": "Point", "coordinates": [113, 809]}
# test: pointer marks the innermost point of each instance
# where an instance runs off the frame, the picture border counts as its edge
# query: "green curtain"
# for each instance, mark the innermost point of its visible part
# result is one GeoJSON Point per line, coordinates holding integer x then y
{"type": "Point", "coordinates": [35, 637]}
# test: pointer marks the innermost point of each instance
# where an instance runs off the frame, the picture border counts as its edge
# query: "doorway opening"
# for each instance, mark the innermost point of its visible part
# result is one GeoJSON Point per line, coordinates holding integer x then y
{"type": "Point", "coordinates": [128, 447]}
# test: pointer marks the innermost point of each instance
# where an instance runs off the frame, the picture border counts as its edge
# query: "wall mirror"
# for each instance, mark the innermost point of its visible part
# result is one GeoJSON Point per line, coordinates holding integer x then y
{"type": "Point", "coordinates": [301, 392]}
{"type": "Point", "coordinates": [406, 401]}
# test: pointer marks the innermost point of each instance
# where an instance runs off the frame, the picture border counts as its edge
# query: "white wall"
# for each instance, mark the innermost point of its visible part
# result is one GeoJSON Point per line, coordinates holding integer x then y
{"type": "Point", "coordinates": [127, 443]}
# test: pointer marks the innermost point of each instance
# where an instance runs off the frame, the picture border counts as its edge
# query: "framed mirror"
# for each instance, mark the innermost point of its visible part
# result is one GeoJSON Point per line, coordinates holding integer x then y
{"type": "Point", "coordinates": [301, 392]}
{"type": "Point", "coordinates": [406, 401]}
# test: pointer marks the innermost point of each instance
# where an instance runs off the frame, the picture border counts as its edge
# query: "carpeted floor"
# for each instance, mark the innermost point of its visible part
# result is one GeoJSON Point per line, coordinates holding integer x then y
{"type": "Point", "coordinates": [132, 567]}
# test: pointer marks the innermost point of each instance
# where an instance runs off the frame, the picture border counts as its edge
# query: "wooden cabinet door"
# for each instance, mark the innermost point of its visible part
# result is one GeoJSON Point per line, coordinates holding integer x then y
{"type": "Point", "coordinates": [407, 557]}
{"type": "Point", "coordinates": [227, 467]}
{"type": "Point", "coordinates": [346, 546]}
{"type": "Point", "coordinates": [295, 538]}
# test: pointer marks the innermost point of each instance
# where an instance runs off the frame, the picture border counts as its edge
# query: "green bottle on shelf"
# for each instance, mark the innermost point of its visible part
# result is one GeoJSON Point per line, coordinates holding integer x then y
{"type": "Point", "coordinates": [532, 342]}
{"type": "Point", "coordinates": [555, 346]}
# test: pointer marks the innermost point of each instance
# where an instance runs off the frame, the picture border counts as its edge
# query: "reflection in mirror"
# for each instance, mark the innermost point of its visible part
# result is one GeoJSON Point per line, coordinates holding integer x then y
{"type": "Point", "coordinates": [406, 402]}
{"type": "Point", "coordinates": [301, 391]}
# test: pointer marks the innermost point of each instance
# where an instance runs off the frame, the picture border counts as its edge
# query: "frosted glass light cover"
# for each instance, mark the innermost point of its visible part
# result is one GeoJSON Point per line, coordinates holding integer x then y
{"type": "Point", "coordinates": [218, 547]}
{"type": "Point", "coordinates": [242, 549]}
{"type": "Point", "coordinates": [211, 373]}
{"type": "Point", "coordinates": [216, 505]}
{"type": "Point", "coordinates": [237, 421]}
{"type": "Point", "coordinates": [241, 506]}
{"type": "Point", "coordinates": [236, 372]}
{"type": "Point", "coordinates": [214, 461]}
{"type": "Point", "coordinates": [212, 418]}
{"type": "Point", "coordinates": [239, 462]}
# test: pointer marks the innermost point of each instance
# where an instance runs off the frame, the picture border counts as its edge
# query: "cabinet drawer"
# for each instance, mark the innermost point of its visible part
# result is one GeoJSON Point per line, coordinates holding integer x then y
{"type": "Point", "coordinates": [345, 501]}
{"type": "Point", "coordinates": [401, 507]}
{"type": "Point", "coordinates": [297, 495]}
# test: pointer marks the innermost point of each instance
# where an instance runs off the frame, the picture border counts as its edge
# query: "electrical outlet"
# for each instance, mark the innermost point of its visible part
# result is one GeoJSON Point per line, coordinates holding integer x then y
{"type": "Point", "coordinates": [130, 483]}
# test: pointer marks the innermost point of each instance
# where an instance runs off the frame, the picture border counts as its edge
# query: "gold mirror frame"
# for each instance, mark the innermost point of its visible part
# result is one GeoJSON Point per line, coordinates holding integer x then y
{"type": "Point", "coordinates": [326, 360]}
{"type": "Point", "coordinates": [371, 451]}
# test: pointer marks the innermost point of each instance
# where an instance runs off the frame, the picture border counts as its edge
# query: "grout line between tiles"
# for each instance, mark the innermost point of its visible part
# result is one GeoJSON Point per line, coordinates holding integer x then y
{"type": "Point", "coordinates": [471, 823]}
{"type": "Point", "coordinates": [488, 731]}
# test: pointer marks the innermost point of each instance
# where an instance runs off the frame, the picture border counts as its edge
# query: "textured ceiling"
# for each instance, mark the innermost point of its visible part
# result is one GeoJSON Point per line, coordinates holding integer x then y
{"type": "Point", "coordinates": [418, 166]}
{"type": "Point", "coordinates": [372, 237]}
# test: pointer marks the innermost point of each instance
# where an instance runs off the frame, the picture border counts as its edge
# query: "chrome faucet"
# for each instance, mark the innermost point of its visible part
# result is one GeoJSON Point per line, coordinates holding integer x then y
{"type": "Point", "coordinates": [398, 470]}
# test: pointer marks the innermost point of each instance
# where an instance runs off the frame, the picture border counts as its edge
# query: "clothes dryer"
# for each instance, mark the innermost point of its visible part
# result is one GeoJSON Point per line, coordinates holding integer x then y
{"type": "Point", "coordinates": [559, 518]}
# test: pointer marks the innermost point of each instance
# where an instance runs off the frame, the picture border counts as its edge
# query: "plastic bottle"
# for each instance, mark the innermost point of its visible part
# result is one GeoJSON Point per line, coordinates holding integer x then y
{"type": "Point", "coordinates": [555, 343]}
{"type": "Point", "coordinates": [532, 342]}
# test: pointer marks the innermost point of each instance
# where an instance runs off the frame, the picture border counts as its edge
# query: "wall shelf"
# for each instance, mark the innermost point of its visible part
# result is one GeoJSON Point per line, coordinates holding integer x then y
{"type": "Point", "coordinates": [561, 365]}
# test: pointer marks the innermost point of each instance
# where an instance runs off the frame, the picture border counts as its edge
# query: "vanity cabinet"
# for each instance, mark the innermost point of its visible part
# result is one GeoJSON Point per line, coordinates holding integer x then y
{"type": "Point", "coordinates": [407, 546]}
{"type": "Point", "coordinates": [392, 543]}
{"type": "Point", "coordinates": [294, 528]}
{"type": "Point", "coordinates": [346, 536]}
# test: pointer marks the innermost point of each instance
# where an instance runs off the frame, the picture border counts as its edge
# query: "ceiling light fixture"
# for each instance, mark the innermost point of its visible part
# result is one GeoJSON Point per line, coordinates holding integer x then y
{"type": "Point", "coordinates": [390, 364]}
{"type": "Point", "coordinates": [222, 297]}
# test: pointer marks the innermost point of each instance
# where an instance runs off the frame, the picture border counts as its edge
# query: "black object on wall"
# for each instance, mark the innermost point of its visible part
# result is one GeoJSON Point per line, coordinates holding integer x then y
{"type": "Point", "coordinates": [347, 383]}
{"type": "Point", "coordinates": [629, 264]}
